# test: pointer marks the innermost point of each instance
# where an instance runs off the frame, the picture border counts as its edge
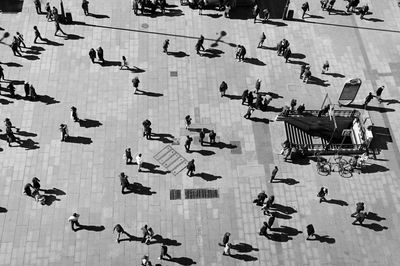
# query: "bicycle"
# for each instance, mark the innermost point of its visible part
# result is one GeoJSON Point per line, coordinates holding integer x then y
{"type": "Point", "coordinates": [323, 166]}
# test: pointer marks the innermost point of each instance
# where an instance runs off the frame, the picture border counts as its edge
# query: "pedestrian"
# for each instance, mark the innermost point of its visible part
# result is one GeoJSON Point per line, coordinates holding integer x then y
{"type": "Point", "coordinates": [64, 132]}
{"type": "Point", "coordinates": [250, 99]}
{"type": "Point", "coordinates": [38, 6]}
{"type": "Point", "coordinates": [38, 197]}
{"type": "Point", "coordinates": [302, 70]}
{"type": "Point", "coordinates": [258, 85]}
{"type": "Point", "coordinates": [85, 7]}
{"type": "Point", "coordinates": [227, 249]}
{"type": "Point", "coordinates": [238, 51]}
{"type": "Point", "coordinates": [147, 132]}
{"type": "Point", "coordinates": [364, 11]}
{"type": "Point", "coordinates": [14, 48]}
{"type": "Point", "coordinates": [124, 182]}
{"type": "Point", "coordinates": [262, 39]}
{"type": "Point", "coordinates": [11, 89]}
{"type": "Point", "coordinates": [227, 11]}
{"type": "Point", "coordinates": [32, 93]}
{"type": "Point", "coordinates": [124, 63]}
{"type": "Point", "coordinates": [139, 161]}
{"type": "Point", "coordinates": [92, 54]}
{"type": "Point", "coordinates": [250, 110]}
{"type": "Point", "coordinates": [135, 83]}
{"type": "Point", "coordinates": [263, 229]}
{"type": "Point", "coordinates": [164, 253]}
{"type": "Point", "coordinates": [223, 88]}
{"type": "Point", "coordinates": [324, 3]}
{"type": "Point", "coordinates": [286, 54]}
{"type": "Point", "coordinates": [260, 198]}
{"type": "Point", "coordinates": [120, 230]}
{"type": "Point", "coordinates": [266, 14]}
{"type": "Point", "coordinates": [11, 137]}
{"type": "Point", "coordinates": [2, 73]}
{"type": "Point", "coordinates": [330, 6]}
{"type": "Point", "coordinates": [266, 102]}
{"type": "Point", "coordinates": [146, 123]}
{"type": "Point", "coordinates": [273, 174]}
{"type": "Point", "coordinates": [307, 74]}
{"type": "Point", "coordinates": [325, 67]}
{"type": "Point", "coordinates": [165, 46]}
{"type": "Point", "coordinates": [301, 108]}
{"type": "Point", "coordinates": [200, 6]}
{"type": "Point", "coordinates": [271, 221]}
{"type": "Point", "coordinates": [58, 28]}
{"type": "Point", "coordinates": [305, 7]}
{"type": "Point", "coordinates": [128, 156]}
{"type": "Point", "coordinates": [36, 183]}
{"type": "Point", "coordinates": [55, 14]}
{"type": "Point", "coordinates": [359, 208]}
{"type": "Point", "coordinates": [360, 217]}
{"type": "Point", "coordinates": [256, 11]}
{"type": "Point", "coordinates": [27, 190]}
{"type": "Point", "coordinates": [322, 193]}
{"type": "Point", "coordinates": [135, 7]}
{"type": "Point", "coordinates": [379, 93]}
{"type": "Point", "coordinates": [293, 103]}
{"type": "Point", "coordinates": [199, 45]}
{"type": "Point", "coordinates": [242, 53]}
{"type": "Point", "coordinates": [100, 54]}
{"type": "Point", "coordinates": [202, 135]}
{"type": "Point", "coordinates": [74, 114]}
{"type": "Point", "coordinates": [191, 168]}
{"type": "Point", "coordinates": [212, 135]}
{"type": "Point", "coordinates": [310, 231]}
{"type": "Point", "coordinates": [188, 121]}
{"type": "Point", "coordinates": [74, 220]}
{"type": "Point", "coordinates": [49, 15]}
{"type": "Point", "coordinates": [146, 261]}
{"type": "Point", "coordinates": [245, 94]}
{"type": "Point", "coordinates": [26, 89]}
{"type": "Point", "coordinates": [9, 125]}
{"type": "Point", "coordinates": [225, 239]}
{"type": "Point", "coordinates": [188, 142]}
{"type": "Point", "coordinates": [144, 232]}
{"type": "Point", "coordinates": [20, 39]}
{"type": "Point", "coordinates": [150, 235]}
{"type": "Point", "coordinates": [258, 104]}
{"type": "Point", "coordinates": [268, 205]}
{"type": "Point", "coordinates": [368, 99]}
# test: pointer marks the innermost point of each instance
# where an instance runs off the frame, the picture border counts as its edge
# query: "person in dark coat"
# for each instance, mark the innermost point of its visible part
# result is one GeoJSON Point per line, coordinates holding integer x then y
{"type": "Point", "coordinates": [262, 39]}
{"type": "Point", "coordinates": [32, 93]}
{"type": "Point", "coordinates": [260, 198]}
{"type": "Point", "coordinates": [124, 182]}
{"type": "Point", "coordinates": [363, 11]}
{"type": "Point", "coordinates": [191, 168]}
{"type": "Point", "coordinates": [258, 104]}
{"type": "Point", "coordinates": [330, 6]}
{"type": "Point", "coordinates": [245, 95]}
{"type": "Point", "coordinates": [263, 229]}
{"type": "Point", "coordinates": [305, 7]}
{"type": "Point", "coordinates": [250, 99]}
{"type": "Point", "coordinates": [359, 208]}
{"type": "Point", "coordinates": [120, 230]}
{"type": "Point", "coordinates": [268, 205]}
{"type": "Point", "coordinates": [165, 46]}
{"type": "Point", "coordinates": [225, 239]}
{"type": "Point", "coordinates": [11, 89]}
{"type": "Point", "coordinates": [36, 183]}
{"type": "Point", "coordinates": [188, 142]}
{"type": "Point", "coordinates": [256, 11]}
{"type": "Point", "coordinates": [92, 54]}
{"type": "Point", "coordinates": [100, 54]}
{"type": "Point", "coordinates": [27, 190]}
{"type": "Point", "coordinates": [164, 253]}
{"type": "Point", "coordinates": [242, 53]}
{"type": "Point", "coordinates": [249, 112]}
{"type": "Point", "coordinates": [202, 135]}
{"type": "Point", "coordinates": [26, 89]}
{"type": "Point", "coordinates": [360, 217]}
{"type": "Point", "coordinates": [271, 221]}
{"type": "Point", "coordinates": [310, 231]}
{"type": "Point", "coordinates": [223, 88]}
{"type": "Point", "coordinates": [85, 7]}
{"type": "Point", "coordinates": [200, 5]}
{"type": "Point", "coordinates": [286, 54]}
{"type": "Point", "coordinates": [128, 156]}
{"type": "Point", "coordinates": [368, 99]}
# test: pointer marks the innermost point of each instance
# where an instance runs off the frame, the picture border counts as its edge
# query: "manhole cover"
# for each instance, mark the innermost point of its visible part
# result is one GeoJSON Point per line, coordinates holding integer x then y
{"type": "Point", "coordinates": [175, 194]}
{"type": "Point", "coordinates": [201, 193]}
{"type": "Point", "coordinates": [145, 25]}
{"type": "Point", "coordinates": [173, 73]}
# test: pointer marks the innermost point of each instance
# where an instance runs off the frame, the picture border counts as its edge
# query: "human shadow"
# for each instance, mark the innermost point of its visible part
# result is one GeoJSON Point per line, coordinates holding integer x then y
{"type": "Point", "coordinates": [390, 101]}
{"type": "Point", "coordinates": [2, 210]}
{"type": "Point", "coordinates": [335, 75]}
{"type": "Point", "coordinates": [12, 64]}
{"type": "Point", "coordinates": [207, 177]}
{"type": "Point", "coordinates": [79, 140]}
{"type": "Point", "coordinates": [131, 238]}
{"type": "Point", "coordinates": [30, 57]}
{"type": "Point", "coordinates": [287, 181]}
{"type": "Point", "coordinates": [36, 48]}
{"type": "Point", "coordinates": [339, 12]}
{"type": "Point", "coordinates": [281, 216]}
{"type": "Point", "coordinates": [244, 257]}
{"type": "Point", "coordinates": [244, 248]}
{"type": "Point", "coordinates": [374, 19]}
{"type": "Point", "coordinates": [165, 241]}
{"type": "Point", "coordinates": [183, 261]}
{"type": "Point", "coordinates": [296, 62]}
{"type": "Point", "coordinates": [273, 48]}
{"type": "Point", "coordinates": [317, 81]}
{"type": "Point", "coordinates": [290, 231]}
{"type": "Point", "coordinates": [283, 209]}
{"type": "Point", "coordinates": [374, 216]}
{"type": "Point", "coordinates": [164, 138]}
{"type": "Point", "coordinates": [138, 188]}
{"type": "Point", "coordinates": [371, 108]}
{"type": "Point", "coordinates": [29, 144]}
{"type": "Point", "coordinates": [316, 16]}
{"type": "Point", "coordinates": [100, 16]}
{"type": "Point", "coordinates": [275, 23]}
{"type": "Point", "coordinates": [203, 152]}
{"type": "Point", "coordinates": [149, 93]}
{"type": "Point", "coordinates": [257, 119]}
{"type": "Point", "coordinates": [233, 97]}
{"type": "Point", "coordinates": [337, 202]}
{"type": "Point", "coordinates": [135, 69]}
{"type": "Point", "coordinates": [49, 42]}
{"type": "Point", "coordinates": [323, 239]}
{"type": "Point", "coordinates": [36, 52]}
{"type": "Point", "coordinates": [179, 54]}
{"type": "Point", "coordinates": [87, 123]}
{"type": "Point", "coordinates": [46, 99]}
{"type": "Point", "coordinates": [173, 13]}
{"type": "Point", "coordinates": [222, 145]}
{"type": "Point", "coordinates": [152, 168]}
{"type": "Point", "coordinates": [209, 55]}
{"type": "Point", "coordinates": [70, 36]}
{"type": "Point", "coordinates": [5, 101]}
{"type": "Point", "coordinates": [215, 15]}
{"type": "Point", "coordinates": [374, 226]}
{"type": "Point", "coordinates": [297, 56]}
{"type": "Point", "coordinates": [278, 237]}
{"type": "Point", "coordinates": [54, 191]}
{"type": "Point", "coordinates": [373, 168]}
{"type": "Point", "coordinates": [271, 108]}
{"type": "Point", "coordinates": [49, 199]}
{"type": "Point", "coordinates": [254, 61]}
{"type": "Point", "coordinates": [274, 95]}
{"type": "Point", "coordinates": [95, 228]}
{"type": "Point", "coordinates": [107, 63]}
{"type": "Point", "coordinates": [25, 134]}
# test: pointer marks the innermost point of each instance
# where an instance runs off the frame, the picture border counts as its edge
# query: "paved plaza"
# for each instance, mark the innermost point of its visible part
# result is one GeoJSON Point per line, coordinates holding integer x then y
{"type": "Point", "coordinates": [81, 175]}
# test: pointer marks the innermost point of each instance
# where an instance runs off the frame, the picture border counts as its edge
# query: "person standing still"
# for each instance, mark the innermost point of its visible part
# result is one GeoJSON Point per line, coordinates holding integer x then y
{"type": "Point", "coordinates": [85, 7]}
{"type": "Point", "coordinates": [165, 46]}
{"type": "Point", "coordinates": [188, 121]}
{"type": "Point", "coordinates": [191, 168]}
{"type": "Point", "coordinates": [92, 55]}
{"type": "Point", "coordinates": [212, 137]}
{"type": "Point", "coordinates": [262, 39]}
{"type": "Point", "coordinates": [274, 172]}
{"type": "Point", "coordinates": [202, 135]}
{"type": "Point", "coordinates": [135, 83]}
{"type": "Point", "coordinates": [74, 221]}
{"type": "Point", "coordinates": [188, 142]}
{"type": "Point", "coordinates": [139, 161]}
{"type": "Point", "coordinates": [223, 88]}
{"type": "Point", "coordinates": [100, 54]}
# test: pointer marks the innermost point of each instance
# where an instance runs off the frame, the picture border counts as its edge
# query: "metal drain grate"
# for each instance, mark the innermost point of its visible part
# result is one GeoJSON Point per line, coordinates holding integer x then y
{"type": "Point", "coordinates": [201, 193]}
{"type": "Point", "coordinates": [175, 194]}
{"type": "Point", "coordinates": [173, 73]}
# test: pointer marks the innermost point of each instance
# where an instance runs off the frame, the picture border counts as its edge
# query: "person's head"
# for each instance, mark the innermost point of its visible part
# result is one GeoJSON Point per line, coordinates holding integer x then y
{"type": "Point", "coordinates": [75, 214]}
{"type": "Point", "coordinates": [227, 234]}
{"type": "Point", "coordinates": [7, 120]}
{"type": "Point", "coordinates": [34, 27]}
{"type": "Point", "coordinates": [122, 174]}
{"type": "Point", "coordinates": [123, 58]}
{"type": "Point", "coordinates": [140, 155]}
{"type": "Point", "coordinates": [18, 33]}
{"type": "Point", "coordinates": [128, 149]}
{"type": "Point", "coordinates": [276, 167]}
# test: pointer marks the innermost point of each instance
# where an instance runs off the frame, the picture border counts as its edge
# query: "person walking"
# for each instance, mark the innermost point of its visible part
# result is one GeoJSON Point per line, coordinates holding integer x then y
{"type": "Point", "coordinates": [302, 70]}
{"type": "Point", "coordinates": [250, 110]}
{"type": "Point", "coordinates": [225, 239]}
{"type": "Point", "coordinates": [26, 89]}
{"type": "Point", "coordinates": [250, 98]}
{"type": "Point", "coordinates": [135, 83]}
{"type": "Point", "coordinates": [147, 132]}
{"type": "Point", "coordinates": [21, 40]}
{"type": "Point", "coordinates": [322, 193]}
{"type": "Point", "coordinates": [124, 182]}
{"type": "Point", "coordinates": [330, 6]}
{"type": "Point", "coordinates": [58, 28]}
{"type": "Point", "coordinates": [32, 93]}
{"type": "Point", "coordinates": [223, 88]}
{"type": "Point", "coordinates": [144, 232]}
{"type": "Point", "coordinates": [310, 231]}
{"type": "Point", "coordinates": [150, 235]}
{"type": "Point", "coordinates": [273, 174]}
{"type": "Point", "coordinates": [263, 229]}
{"type": "Point", "coordinates": [27, 189]}
{"type": "Point", "coordinates": [92, 54]}
{"type": "Point", "coordinates": [268, 205]}
{"type": "Point", "coordinates": [36, 183]}
{"type": "Point", "coordinates": [37, 34]}
{"type": "Point", "coordinates": [379, 93]}
{"type": "Point", "coordinates": [260, 198]}
{"type": "Point", "coordinates": [359, 208]}
{"type": "Point", "coordinates": [14, 48]}
{"type": "Point", "coordinates": [262, 39]}
{"type": "Point", "coordinates": [258, 85]}
{"type": "Point", "coordinates": [128, 156]}
{"type": "Point", "coordinates": [271, 221]}
{"type": "Point", "coordinates": [188, 142]}
{"type": "Point", "coordinates": [49, 15]}
{"type": "Point", "coordinates": [2, 74]}
{"type": "Point", "coordinates": [307, 74]}
{"type": "Point", "coordinates": [124, 63]}
{"type": "Point", "coordinates": [100, 54]}
{"type": "Point", "coordinates": [188, 121]}
{"type": "Point", "coordinates": [38, 6]}
{"type": "Point", "coordinates": [74, 220]}
{"type": "Point", "coordinates": [242, 53]}
{"type": "Point", "coordinates": [164, 253]}
{"type": "Point", "coordinates": [287, 53]}
{"type": "Point", "coordinates": [120, 230]}
{"type": "Point", "coordinates": [74, 114]}
{"type": "Point", "coordinates": [165, 46]}
{"type": "Point", "coordinates": [325, 67]}
{"type": "Point", "coordinates": [360, 217]}
{"type": "Point", "coordinates": [256, 12]}
{"type": "Point", "coordinates": [202, 135]}
{"type": "Point", "coordinates": [212, 137]}
{"type": "Point", "coordinates": [368, 99]}
{"type": "Point", "coordinates": [55, 15]}
{"type": "Point", "coordinates": [139, 161]}
{"type": "Point", "coordinates": [363, 11]}
{"type": "Point", "coordinates": [305, 7]}
{"type": "Point", "coordinates": [191, 168]}
{"type": "Point", "coordinates": [85, 7]}
{"type": "Point", "coordinates": [245, 95]}
{"type": "Point", "coordinates": [199, 45]}
{"type": "Point", "coordinates": [64, 132]}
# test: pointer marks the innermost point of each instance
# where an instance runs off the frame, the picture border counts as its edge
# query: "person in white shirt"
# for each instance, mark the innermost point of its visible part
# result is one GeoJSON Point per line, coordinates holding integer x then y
{"type": "Point", "coordinates": [74, 221]}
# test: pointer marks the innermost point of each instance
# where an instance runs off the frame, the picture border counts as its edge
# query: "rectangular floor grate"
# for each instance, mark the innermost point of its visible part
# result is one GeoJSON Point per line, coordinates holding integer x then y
{"type": "Point", "coordinates": [173, 73]}
{"type": "Point", "coordinates": [175, 194]}
{"type": "Point", "coordinates": [171, 160]}
{"type": "Point", "coordinates": [201, 193]}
